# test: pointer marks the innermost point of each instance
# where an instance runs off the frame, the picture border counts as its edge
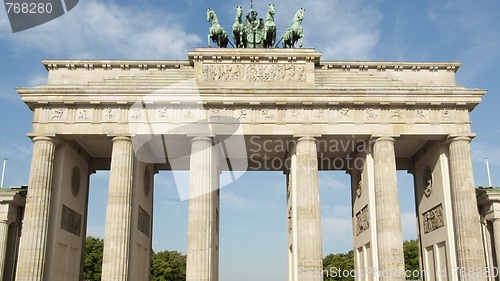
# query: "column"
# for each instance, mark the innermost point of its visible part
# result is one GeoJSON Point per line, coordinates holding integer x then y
{"type": "Point", "coordinates": [388, 216]}
{"type": "Point", "coordinates": [5, 221]}
{"type": "Point", "coordinates": [470, 253]}
{"type": "Point", "coordinates": [203, 212]}
{"type": "Point", "coordinates": [33, 243]}
{"type": "Point", "coordinates": [496, 239]}
{"type": "Point", "coordinates": [116, 253]}
{"type": "Point", "coordinates": [309, 241]}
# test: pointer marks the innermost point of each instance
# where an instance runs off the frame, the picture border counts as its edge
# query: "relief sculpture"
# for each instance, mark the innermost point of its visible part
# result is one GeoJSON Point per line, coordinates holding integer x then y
{"type": "Point", "coordinates": [362, 220]}
{"type": "Point", "coordinates": [254, 72]}
{"type": "Point", "coordinates": [433, 219]}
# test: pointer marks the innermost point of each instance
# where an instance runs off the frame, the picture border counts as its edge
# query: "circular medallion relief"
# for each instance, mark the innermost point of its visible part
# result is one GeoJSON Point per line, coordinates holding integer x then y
{"type": "Point", "coordinates": [428, 182]}
{"type": "Point", "coordinates": [147, 181]}
{"type": "Point", "coordinates": [75, 181]}
{"type": "Point", "coordinates": [359, 190]}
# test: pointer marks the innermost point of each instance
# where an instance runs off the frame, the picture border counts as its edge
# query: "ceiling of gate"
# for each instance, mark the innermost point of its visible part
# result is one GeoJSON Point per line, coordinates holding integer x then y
{"type": "Point", "coordinates": [257, 152]}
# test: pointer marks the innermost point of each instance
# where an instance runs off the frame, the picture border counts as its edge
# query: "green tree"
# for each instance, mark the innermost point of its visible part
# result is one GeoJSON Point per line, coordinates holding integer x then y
{"type": "Point", "coordinates": [412, 264]}
{"type": "Point", "coordinates": [93, 259]}
{"type": "Point", "coordinates": [168, 266]}
{"type": "Point", "coordinates": [338, 267]}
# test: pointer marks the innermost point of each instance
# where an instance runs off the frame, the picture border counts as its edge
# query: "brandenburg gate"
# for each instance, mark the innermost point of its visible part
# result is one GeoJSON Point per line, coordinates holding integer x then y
{"type": "Point", "coordinates": [209, 114]}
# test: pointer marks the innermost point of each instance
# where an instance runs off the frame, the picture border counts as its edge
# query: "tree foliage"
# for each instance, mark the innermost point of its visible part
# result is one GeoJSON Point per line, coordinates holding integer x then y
{"type": "Point", "coordinates": [93, 259]}
{"type": "Point", "coordinates": [338, 266]}
{"type": "Point", "coordinates": [168, 266]}
{"type": "Point", "coordinates": [165, 266]}
{"type": "Point", "coordinates": [411, 256]}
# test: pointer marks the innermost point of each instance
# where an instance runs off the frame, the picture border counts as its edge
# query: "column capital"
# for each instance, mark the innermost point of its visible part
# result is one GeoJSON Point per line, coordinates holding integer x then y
{"type": "Point", "coordinates": [306, 138]}
{"type": "Point", "coordinates": [121, 138]}
{"type": "Point", "coordinates": [52, 139]}
{"type": "Point", "coordinates": [201, 138]}
{"type": "Point", "coordinates": [452, 139]}
{"type": "Point", "coordinates": [383, 138]}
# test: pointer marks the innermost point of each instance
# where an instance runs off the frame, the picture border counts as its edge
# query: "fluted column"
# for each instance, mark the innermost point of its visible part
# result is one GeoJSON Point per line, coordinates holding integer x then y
{"type": "Point", "coordinates": [496, 239]}
{"type": "Point", "coordinates": [470, 253]}
{"type": "Point", "coordinates": [4, 238]}
{"type": "Point", "coordinates": [202, 248]}
{"type": "Point", "coordinates": [118, 212]}
{"type": "Point", "coordinates": [33, 245]}
{"type": "Point", "coordinates": [388, 215]}
{"type": "Point", "coordinates": [309, 239]}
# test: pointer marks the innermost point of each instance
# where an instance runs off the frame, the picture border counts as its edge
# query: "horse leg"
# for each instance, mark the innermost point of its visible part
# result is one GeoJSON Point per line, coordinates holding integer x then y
{"type": "Point", "coordinates": [301, 40]}
{"type": "Point", "coordinates": [209, 39]}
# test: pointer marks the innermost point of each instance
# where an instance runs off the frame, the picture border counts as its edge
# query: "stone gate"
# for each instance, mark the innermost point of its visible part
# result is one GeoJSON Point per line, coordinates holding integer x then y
{"type": "Point", "coordinates": [216, 111]}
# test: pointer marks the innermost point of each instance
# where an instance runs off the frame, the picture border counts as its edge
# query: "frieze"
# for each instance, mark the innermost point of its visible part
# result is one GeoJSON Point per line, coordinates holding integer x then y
{"type": "Point", "coordinates": [251, 114]}
{"type": "Point", "coordinates": [433, 219]}
{"type": "Point", "coordinates": [83, 115]}
{"type": "Point", "coordinates": [254, 72]}
{"type": "Point", "coordinates": [57, 114]}
{"type": "Point", "coordinates": [371, 114]}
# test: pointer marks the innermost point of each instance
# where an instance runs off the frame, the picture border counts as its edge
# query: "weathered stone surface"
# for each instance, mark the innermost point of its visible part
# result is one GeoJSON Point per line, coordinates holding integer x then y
{"type": "Point", "coordinates": [272, 96]}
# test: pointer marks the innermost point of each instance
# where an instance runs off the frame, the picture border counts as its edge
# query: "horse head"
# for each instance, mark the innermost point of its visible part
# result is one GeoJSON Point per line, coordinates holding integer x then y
{"type": "Point", "coordinates": [299, 16]}
{"type": "Point", "coordinates": [271, 11]}
{"type": "Point", "coordinates": [210, 15]}
{"type": "Point", "coordinates": [239, 11]}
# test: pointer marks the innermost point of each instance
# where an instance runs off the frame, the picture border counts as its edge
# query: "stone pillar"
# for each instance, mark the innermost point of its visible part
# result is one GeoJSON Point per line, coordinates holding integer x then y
{"type": "Point", "coordinates": [33, 245]}
{"type": "Point", "coordinates": [115, 263]}
{"type": "Point", "coordinates": [388, 216]}
{"type": "Point", "coordinates": [309, 239]}
{"type": "Point", "coordinates": [470, 253]}
{"type": "Point", "coordinates": [203, 221]}
{"type": "Point", "coordinates": [496, 239]}
{"type": "Point", "coordinates": [4, 239]}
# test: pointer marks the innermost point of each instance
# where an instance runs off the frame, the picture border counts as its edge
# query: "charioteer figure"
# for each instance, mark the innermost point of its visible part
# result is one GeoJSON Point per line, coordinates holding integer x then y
{"type": "Point", "coordinates": [254, 30]}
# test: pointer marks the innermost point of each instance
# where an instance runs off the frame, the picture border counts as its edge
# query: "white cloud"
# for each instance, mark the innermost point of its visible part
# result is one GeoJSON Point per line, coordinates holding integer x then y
{"type": "Point", "coordinates": [409, 225]}
{"type": "Point", "coordinates": [95, 29]}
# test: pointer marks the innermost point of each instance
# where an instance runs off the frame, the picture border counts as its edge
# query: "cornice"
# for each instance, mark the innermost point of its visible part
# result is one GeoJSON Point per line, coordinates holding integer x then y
{"type": "Point", "coordinates": [389, 65]}
{"type": "Point", "coordinates": [113, 64]}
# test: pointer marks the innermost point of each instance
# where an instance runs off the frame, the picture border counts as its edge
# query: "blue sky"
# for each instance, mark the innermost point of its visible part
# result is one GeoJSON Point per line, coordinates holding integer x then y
{"type": "Point", "coordinates": [253, 212]}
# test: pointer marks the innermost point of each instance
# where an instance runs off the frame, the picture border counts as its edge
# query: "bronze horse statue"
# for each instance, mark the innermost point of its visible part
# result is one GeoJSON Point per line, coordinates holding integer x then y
{"type": "Point", "coordinates": [217, 34]}
{"type": "Point", "coordinates": [270, 28]}
{"type": "Point", "coordinates": [294, 33]}
{"type": "Point", "coordinates": [239, 34]}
